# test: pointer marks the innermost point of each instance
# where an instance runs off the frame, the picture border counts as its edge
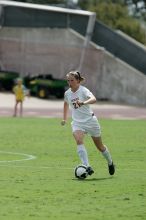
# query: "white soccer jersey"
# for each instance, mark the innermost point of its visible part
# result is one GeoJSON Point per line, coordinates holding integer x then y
{"type": "Point", "coordinates": [83, 113]}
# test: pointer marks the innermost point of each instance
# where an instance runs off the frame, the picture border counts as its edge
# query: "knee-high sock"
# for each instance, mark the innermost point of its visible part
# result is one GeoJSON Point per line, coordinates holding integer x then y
{"type": "Point", "coordinates": [107, 155]}
{"type": "Point", "coordinates": [83, 154]}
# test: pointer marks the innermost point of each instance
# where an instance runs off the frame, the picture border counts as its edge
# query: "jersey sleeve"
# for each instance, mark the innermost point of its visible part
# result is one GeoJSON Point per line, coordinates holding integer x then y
{"type": "Point", "coordinates": [88, 93]}
{"type": "Point", "coordinates": [66, 97]}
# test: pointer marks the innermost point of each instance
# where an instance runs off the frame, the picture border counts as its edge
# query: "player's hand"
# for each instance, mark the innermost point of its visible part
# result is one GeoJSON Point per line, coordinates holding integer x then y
{"type": "Point", "coordinates": [63, 122]}
{"type": "Point", "coordinates": [80, 103]}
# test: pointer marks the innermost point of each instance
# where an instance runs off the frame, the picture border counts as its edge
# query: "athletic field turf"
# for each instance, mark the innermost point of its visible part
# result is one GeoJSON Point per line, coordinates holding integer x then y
{"type": "Point", "coordinates": [37, 160]}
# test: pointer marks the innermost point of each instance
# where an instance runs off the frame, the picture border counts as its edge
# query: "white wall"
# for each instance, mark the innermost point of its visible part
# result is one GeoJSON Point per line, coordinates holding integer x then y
{"type": "Point", "coordinates": [57, 51]}
{"type": "Point", "coordinates": [121, 82]}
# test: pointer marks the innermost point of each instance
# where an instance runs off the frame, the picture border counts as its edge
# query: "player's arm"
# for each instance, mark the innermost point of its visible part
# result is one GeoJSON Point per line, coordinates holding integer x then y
{"type": "Point", "coordinates": [65, 112]}
{"type": "Point", "coordinates": [14, 89]}
{"type": "Point", "coordinates": [26, 91]}
{"type": "Point", "coordinates": [90, 100]}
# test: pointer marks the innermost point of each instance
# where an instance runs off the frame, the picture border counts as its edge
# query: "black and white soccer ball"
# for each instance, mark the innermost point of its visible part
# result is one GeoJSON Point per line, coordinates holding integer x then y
{"type": "Point", "coordinates": [81, 172]}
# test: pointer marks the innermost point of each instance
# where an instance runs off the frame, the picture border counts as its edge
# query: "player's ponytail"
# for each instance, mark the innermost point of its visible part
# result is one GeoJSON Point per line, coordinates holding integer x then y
{"type": "Point", "coordinates": [77, 75]}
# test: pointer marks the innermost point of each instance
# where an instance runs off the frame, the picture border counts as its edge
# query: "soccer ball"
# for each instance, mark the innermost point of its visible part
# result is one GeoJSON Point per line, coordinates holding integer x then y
{"type": "Point", "coordinates": [81, 172]}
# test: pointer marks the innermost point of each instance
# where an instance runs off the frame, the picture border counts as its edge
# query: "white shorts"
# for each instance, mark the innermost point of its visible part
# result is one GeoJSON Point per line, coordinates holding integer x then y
{"type": "Point", "coordinates": [91, 127]}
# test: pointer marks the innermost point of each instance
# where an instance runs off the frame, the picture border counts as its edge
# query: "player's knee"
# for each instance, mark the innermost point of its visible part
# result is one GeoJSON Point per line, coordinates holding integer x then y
{"type": "Point", "coordinates": [79, 141]}
{"type": "Point", "coordinates": [101, 148]}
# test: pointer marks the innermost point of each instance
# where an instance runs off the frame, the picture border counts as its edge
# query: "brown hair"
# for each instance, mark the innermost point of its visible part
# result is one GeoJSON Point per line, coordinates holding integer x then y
{"type": "Point", "coordinates": [77, 75]}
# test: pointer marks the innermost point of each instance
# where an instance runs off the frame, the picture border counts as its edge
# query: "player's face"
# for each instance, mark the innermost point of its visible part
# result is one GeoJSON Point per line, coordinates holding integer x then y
{"type": "Point", "coordinates": [73, 82]}
{"type": "Point", "coordinates": [19, 82]}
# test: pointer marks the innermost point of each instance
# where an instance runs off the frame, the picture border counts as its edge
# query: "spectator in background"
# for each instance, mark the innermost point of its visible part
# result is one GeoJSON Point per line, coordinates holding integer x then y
{"type": "Point", "coordinates": [20, 92]}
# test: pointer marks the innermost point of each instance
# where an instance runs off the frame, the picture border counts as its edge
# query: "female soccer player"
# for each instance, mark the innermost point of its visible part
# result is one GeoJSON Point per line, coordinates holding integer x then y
{"type": "Point", "coordinates": [84, 121]}
{"type": "Point", "coordinates": [20, 92]}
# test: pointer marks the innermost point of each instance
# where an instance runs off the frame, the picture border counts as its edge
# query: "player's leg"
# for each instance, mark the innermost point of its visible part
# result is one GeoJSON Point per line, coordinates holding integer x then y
{"type": "Point", "coordinates": [81, 150]}
{"type": "Point", "coordinates": [15, 108]}
{"type": "Point", "coordinates": [105, 152]}
{"type": "Point", "coordinates": [21, 108]}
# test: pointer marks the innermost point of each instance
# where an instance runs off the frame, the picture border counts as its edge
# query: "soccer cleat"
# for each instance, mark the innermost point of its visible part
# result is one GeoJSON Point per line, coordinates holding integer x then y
{"type": "Point", "coordinates": [90, 171]}
{"type": "Point", "coordinates": [111, 169]}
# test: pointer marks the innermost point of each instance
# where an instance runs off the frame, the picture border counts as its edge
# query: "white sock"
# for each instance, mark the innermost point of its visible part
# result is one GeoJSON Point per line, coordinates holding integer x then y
{"type": "Point", "coordinates": [107, 156]}
{"type": "Point", "coordinates": [83, 154]}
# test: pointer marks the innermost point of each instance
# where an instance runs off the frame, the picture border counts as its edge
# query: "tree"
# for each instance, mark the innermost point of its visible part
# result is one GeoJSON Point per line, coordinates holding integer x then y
{"type": "Point", "coordinates": [116, 16]}
{"type": "Point", "coordinates": [85, 4]}
{"type": "Point", "coordinates": [43, 1]}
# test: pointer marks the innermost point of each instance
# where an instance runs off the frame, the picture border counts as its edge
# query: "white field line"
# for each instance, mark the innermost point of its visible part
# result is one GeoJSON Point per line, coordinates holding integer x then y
{"type": "Point", "coordinates": [6, 163]}
{"type": "Point", "coordinates": [27, 157]}
{"type": "Point", "coordinates": [63, 168]}
{"type": "Point", "coordinates": [36, 167]}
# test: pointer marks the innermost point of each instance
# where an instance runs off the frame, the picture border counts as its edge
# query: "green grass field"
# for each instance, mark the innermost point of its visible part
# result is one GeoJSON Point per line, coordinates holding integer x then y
{"type": "Point", "coordinates": [45, 188]}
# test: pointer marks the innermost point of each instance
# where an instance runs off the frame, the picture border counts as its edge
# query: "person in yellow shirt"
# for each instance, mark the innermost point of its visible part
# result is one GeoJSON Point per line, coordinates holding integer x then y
{"type": "Point", "coordinates": [20, 92]}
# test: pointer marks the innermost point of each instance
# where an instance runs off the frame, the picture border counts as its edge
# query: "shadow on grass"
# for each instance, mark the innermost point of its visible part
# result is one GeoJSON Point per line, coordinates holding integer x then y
{"type": "Point", "coordinates": [94, 179]}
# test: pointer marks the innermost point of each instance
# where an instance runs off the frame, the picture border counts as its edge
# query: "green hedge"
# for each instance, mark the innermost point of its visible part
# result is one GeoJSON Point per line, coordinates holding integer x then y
{"type": "Point", "coordinates": [116, 16]}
